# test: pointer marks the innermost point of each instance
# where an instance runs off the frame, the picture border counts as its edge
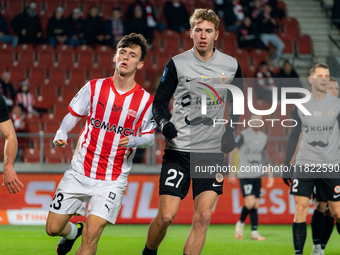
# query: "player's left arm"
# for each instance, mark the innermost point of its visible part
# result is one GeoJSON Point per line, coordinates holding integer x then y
{"type": "Point", "coordinates": [146, 133]}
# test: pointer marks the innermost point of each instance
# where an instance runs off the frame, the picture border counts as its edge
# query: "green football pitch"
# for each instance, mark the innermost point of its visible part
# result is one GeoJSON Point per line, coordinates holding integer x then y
{"type": "Point", "coordinates": [130, 239]}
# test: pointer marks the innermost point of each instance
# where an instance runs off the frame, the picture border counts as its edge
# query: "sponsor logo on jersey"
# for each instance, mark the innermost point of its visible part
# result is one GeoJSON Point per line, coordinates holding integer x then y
{"type": "Point", "coordinates": [111, 128]}
{"type": "Point", "coordinates": [209, 93]}
{"type": "Point", "coordinates": [116, 108]}
{"type": "Point", "coordinates": [223, 79]}
{"type": "Point", "coordinates": [318, 128]}
{"type": "Point", "coordinates": [206, 79]}
{"type": "Point", "coordinates": [317, 113]}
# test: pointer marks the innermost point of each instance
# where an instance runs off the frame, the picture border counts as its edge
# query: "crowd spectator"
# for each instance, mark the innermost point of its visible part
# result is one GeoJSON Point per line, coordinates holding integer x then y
{"type": "Point", "coordinates": [25, 98]}
{"type": "Point", "coordinates": [94, 28]}
{"type": "Point", "coordinates": [7, 90]}
{"type": "Point", "coordinates": [336, 13]}
{"type": "Point", "coordinates": [19, 122]}
{"type": "Point", "coordinates": [4, 33]}
{"type": "Point", "coordinates": [264, 82]}
{"type": "Point", "coordinates": [176, 16]}
{"type": "Point", "coordinates": [248, 36]}
{"type": "Point", "coordinates": [233, 14]}
{"type": "Point", "coordinates": [288, 77]}
{"type": "Point", "coordinates": [115, 26]}
{"type": "Point", "coordinates": [138, 24]}
{"type": "Point", "coordinates": [27, 25]}
{"type": "Point", "coordinates": [267, 25]}
{"type": "Point", "coordinates": [255, 9]}
{"type": "Point", "coordinates": [57, 28]}
{"type": "Point", "coordinates": [75, 24]}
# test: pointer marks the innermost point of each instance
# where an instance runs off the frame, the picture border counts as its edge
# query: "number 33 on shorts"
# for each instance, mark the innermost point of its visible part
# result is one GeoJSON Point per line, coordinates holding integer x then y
{"type": "Point", "coordinates": [56, 201]}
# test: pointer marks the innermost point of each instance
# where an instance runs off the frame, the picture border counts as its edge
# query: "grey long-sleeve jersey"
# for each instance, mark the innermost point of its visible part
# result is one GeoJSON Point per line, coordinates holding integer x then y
{"type": "Point", "coordinates": [187, 78]}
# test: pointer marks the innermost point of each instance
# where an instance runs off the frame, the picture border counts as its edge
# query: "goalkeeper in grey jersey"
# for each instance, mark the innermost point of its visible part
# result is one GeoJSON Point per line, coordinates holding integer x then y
{"type": "Point", "coordinates": [318, 154]}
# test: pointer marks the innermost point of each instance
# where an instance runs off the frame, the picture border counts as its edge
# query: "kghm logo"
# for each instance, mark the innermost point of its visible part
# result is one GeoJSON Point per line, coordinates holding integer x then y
{"type": "Point", "coordinates": [204, 96]}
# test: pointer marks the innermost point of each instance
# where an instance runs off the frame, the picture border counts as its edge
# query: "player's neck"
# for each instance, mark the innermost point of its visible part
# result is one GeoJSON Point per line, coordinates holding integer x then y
{"type": "Point", "coordinates": [123, 83]}
{"type": "Point", "coordinates": [318, 95]}
{"type": "Point", "coordinates": [205, 56]}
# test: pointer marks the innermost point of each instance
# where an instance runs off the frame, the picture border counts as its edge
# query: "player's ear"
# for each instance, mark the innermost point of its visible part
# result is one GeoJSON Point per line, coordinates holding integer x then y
{"type": "Point", "coordinates": [115, 58]}
{"type": "Point", "coordinates": [310, 79]}
{"type": "Point", "coordinates": [140, 65]}
{"type": "Point", "coordinates": [190, 33]}
{"type": "Point", "coordinates": [217, 34]}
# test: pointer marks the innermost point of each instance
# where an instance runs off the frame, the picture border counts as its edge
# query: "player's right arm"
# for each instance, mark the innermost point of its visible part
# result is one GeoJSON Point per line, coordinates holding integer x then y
{"type": "Point", "coordinates": [165, 90]}
{"type": "Point", "coordinates": [291, 146]}
{"type": "Point", "coordinates": [79, 107]}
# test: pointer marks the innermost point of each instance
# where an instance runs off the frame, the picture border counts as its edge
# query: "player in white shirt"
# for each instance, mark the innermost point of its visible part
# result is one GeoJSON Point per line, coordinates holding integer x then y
{"type": "Point", "coordinates": [119, 119]}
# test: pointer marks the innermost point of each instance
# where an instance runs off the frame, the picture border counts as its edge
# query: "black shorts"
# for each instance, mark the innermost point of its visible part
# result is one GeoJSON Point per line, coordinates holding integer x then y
{"type": "Point", "coordinates": [175, 175]}
{"type": "Point", "coordinates": [251, 186]}
{"type": "Point", "coordinates": [326, 189]}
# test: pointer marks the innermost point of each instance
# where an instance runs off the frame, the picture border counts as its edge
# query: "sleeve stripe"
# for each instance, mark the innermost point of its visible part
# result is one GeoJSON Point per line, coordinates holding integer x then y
{"type": "Point", "coordinates": [74, 113]}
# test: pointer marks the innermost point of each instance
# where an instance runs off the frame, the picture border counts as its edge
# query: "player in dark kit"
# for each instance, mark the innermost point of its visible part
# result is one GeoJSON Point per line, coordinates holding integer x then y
{"type": "Point", "coordinates": [185, 77]}
{"type": "Point", "coordinates": [318, 154]}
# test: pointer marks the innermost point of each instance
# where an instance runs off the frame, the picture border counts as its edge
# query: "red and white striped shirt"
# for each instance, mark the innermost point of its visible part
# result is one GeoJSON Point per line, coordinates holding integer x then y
{"type": "Point", "coordinates": [27, 100]}
{"type": "Point", "coordinates": [110, 116]}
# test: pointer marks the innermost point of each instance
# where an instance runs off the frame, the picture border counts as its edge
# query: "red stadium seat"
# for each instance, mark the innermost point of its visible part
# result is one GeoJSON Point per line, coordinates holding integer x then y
{"type": "Point", "coordinates": [258, 55]}
{"type": "Point", "coordinates": [17, 75]}
{"type": "Point", "coordinates": [15, 6]}
{"type": "Point", "coordinates": [44, 56]}
{"type": "Point", "coordinates": [69, 5]}
{"type": "Point", "coordinates": [104, 57]}
{"type": "Point", "coordinates": [291, 31]}
{"type": "Point", "coordinates": [51, 5]}
{"type": "Point", "coordinates": [84, 56]}
{"type": "Point", "coordinates": [24, 56]}
{"type": "Point", "coordinates": [170, 42]}
{"type": "Point", "coordinates": [37, 77]}
{"type": "Point", "coordinates": [31, 155]}
{"type": "Point", "coordinates": [46, 99]}
{"type": "Point", "coordinates": [96, 74]}
{"type": "Point", "coordinates": [77, 78]}
{"type": "Point", "coordinates": [65, 56]}
{"type": "Point", "coordinates": [54, 155]}
{"type": "Point", "coordinates": [7, 55]}
{"type": "Point", "coordinates": [61, 110]}
{"type": "Point", "coordinates": [66, 95]}
{"type": "Point", "coordinates": [56, 77]}
{"type": "Point", "coordinates": [304, 46]}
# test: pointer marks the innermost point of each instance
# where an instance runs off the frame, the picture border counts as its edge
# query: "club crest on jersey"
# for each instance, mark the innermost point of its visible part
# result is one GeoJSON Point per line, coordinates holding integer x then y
{"type": "Point", "coordinates": [337, 189]}
{"type": "Point", "coordinates": [206, 79]}
{"type": "Point", "coordinates": [223, 79]}
{"type": "Point", "coordinates": [132, 113]}
{"type": "Point", "coordinates": [330, 113]}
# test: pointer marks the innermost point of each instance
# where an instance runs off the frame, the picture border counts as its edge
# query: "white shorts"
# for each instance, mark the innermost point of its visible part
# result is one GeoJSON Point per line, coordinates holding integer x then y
{"type": "Point", "coordinates": [76, 190]}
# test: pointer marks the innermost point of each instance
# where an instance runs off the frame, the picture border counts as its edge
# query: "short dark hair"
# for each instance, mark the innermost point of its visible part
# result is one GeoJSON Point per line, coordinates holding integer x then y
{"type": "Point", "coordinates": [134, 39]}
{"type": "Point", "coordinates": [331, 78]}
{"type": "Point", "coordinates": [318, 65]}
